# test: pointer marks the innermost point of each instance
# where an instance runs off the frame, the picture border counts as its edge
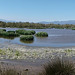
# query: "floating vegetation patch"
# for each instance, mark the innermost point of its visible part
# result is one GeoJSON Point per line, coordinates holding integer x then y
{"type": "Point", "coordinates": [41, 34]}
{"type": "Point", "coordinates": [26, 32]}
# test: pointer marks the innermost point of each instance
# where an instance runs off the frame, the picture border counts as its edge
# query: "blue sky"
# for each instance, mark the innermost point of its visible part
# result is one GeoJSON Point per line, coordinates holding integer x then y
{"type": "Point", "coordinates": [37, 10]}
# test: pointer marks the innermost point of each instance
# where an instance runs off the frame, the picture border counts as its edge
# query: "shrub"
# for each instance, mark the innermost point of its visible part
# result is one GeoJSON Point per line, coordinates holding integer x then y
{"type": "Point", "coordinates": [20, 31]}
{"type": "Point", "coordinates": [59, 67]}
{"type": "Point", "coordinates": [32, 32]}
{"type": "Point", "coordinates": [73, 28]}
{"type": "Point", "coordinates": [28, 32]}
{"type": "Point", "coordinates": [11, 31]}
{"type": "Point", "coordinates": [26, 38]}
{"type": "Point", "coordinates": [25, 32]}
{"type": "Point", "coordinates": [8, 34]}
{"type": "Point", "coordinates": [12, 34]}
{"type": "Point", "coordinates": [2, 29]}
{"type": "Point", "coordinates": [41, 34]}
{"type": "Point", "coordinates": [2, 33]}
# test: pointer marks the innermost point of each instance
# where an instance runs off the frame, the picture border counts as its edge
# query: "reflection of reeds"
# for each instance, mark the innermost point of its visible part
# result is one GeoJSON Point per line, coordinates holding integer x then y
{"type": "Point", "coordinates": [26, 41]}
{"type": "Point", "coordinates": [5, 37]}
{"type": "Point", "coordinates": [27, 38]}
{"type": "Point", "coordinates": [59, 66]}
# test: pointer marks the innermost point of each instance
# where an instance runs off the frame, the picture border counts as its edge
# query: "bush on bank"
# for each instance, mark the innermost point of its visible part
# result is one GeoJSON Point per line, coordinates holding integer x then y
{"type": "Point", "coordinates": [41, 34]}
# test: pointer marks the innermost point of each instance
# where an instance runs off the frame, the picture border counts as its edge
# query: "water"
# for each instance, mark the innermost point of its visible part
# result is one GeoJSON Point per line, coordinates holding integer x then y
{"type": "Point", "coordinates": [56, 38]}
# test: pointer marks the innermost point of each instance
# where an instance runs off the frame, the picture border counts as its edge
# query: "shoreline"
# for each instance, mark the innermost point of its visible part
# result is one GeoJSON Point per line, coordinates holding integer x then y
{"type": "Point", "coordinates": [32, 58]}
{"type": "Point", "coordinates": [30, 52]}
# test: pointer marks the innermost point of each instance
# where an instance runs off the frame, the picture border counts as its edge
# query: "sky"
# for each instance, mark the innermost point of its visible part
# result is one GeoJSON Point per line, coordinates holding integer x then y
{"type": "Point", "coordinates": [37, 10]}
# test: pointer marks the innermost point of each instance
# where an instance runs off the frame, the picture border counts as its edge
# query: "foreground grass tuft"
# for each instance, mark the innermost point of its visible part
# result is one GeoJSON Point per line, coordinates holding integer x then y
{"type": "Point", "coordinates": [59, 67]}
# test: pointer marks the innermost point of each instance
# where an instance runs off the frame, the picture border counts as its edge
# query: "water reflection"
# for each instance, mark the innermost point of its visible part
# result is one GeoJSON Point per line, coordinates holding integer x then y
{"type": "Point", "coordinates": [28, 42]}
{"type": "Point", "coordinates": [56, 38]}
{"type": "Point", "coordinates": [5, 37]}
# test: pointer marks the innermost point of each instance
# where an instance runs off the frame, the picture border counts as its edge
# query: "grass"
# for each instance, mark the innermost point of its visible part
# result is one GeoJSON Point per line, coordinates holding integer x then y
{"type": "Point", "coordinates": [12, 34]}
{"type": "Point", "coordinates": [20, 31]}
{"type": "Point", "coordinates": [11, 31]}
{"type": "Point", "coordinates": [9, 34]}
{"type": "Point", "coordinates": [59, 66]}
{"type": "Point", "coordinates": [73, 28]}
{"type": "Point", "coordinates": [32, 32]}
{"type": "Point", "coordinates": [29, 32]}
{"type": "Point", "coordinates": [2, 30]}
{"type": "Point", "coordinates": [26, 32]}
{"type": "Point", "coordinates": [41, 34]}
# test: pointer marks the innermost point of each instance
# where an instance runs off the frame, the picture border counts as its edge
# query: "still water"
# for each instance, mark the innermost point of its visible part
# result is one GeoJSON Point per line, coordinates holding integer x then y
{"type": "Point", "coordinates": [56, 38]}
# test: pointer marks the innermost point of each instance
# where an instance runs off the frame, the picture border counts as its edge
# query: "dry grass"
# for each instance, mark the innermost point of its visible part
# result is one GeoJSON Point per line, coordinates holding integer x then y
{"type": "Point", "coordinates": [59, 66]}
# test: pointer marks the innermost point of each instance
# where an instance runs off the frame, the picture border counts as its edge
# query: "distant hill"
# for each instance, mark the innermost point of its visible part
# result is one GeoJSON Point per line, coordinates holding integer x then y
{"type": "Point", "coordinates": [59, 22]}
{"type": "Point", "coordinates": [6, 20]}
{"type": "Point", "coordinates": [44, 22]}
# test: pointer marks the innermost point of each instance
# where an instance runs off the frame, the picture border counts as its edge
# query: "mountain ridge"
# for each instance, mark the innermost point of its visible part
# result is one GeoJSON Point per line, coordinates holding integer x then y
{"type": "Point", "coordinates": [45, 22]}
{"type": "Point", "coordinates": [58, 22]}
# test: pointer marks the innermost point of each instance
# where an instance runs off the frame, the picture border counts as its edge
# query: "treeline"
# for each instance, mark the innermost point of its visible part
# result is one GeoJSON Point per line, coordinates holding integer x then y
{"type": "Point", "coordinates": [34, 25]}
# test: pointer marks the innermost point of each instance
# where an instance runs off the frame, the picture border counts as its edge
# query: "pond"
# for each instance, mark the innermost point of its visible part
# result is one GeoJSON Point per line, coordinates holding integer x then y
{"type": "Point", "coordinates": [56, 38]}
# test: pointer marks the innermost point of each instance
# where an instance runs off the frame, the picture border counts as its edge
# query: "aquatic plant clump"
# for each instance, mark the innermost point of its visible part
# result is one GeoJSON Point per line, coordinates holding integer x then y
{"type": "Point", "coordinates": [32, 32]}
{"type": "Point", "coordinates": [29, 32]}
{"type": "Point", "coordinates": [73, 28]}
{"type": "Point", "coordinates": [59, 67]}
{"type": "Point", "coordinates": [26, 38]}
{"type": "Point", "coordinates": [2, 29]}
{"type": "Point", "coordinates": [41, 34]}
{"type": "Point", "coordinates": [11, 31]}
{"type": "Point", "coordinates": [8, 34]}
{"type": "Point", "coordinates": [20, 31]}
{"type": "Point", "coordinates": [25, 32]}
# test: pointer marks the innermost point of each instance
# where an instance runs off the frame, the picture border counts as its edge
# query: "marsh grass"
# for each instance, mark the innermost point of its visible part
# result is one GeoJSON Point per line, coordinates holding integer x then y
{"type": "Point", "coordinates": [73, 28]}
{"type": "Point", "coordinates": [41, 34]}
{"type": "Point", "coordinates": [2, 29]}
{"type": "Point", "coordinates": [59, 66]}
{"type": "Point", "coordinates": [8, 34]}
{"type": "Point", "coordinates": [11, 31]}
{"type": "Point", "coordinates": [20, 31]}
{"type": "Point", "coordinates": [25, 32]}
